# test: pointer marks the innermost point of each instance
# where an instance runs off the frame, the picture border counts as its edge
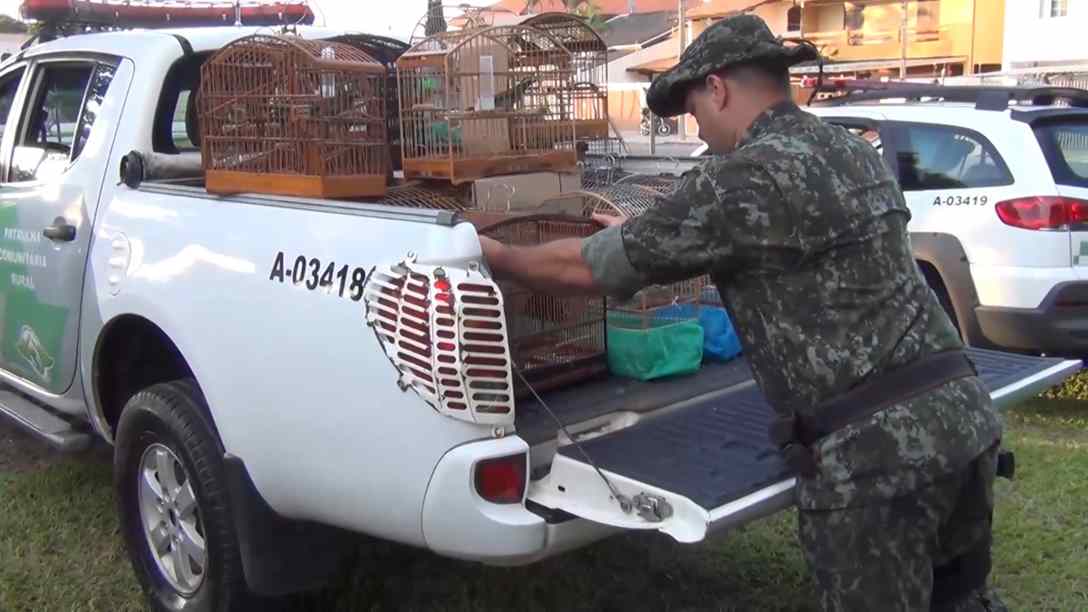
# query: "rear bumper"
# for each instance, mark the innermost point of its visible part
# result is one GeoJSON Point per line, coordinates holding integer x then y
{"type": "Point", "coordinates": [1058, 326]}
{"type": "Point", "coordinates": [458, 523]}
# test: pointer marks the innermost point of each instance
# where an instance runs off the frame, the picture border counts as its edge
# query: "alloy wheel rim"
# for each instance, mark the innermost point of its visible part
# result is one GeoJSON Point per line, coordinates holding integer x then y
{"type": "Point", "coordinates": [170, 518]}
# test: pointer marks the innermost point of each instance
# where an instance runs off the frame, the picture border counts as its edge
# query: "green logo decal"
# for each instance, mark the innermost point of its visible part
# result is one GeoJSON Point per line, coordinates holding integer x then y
{"type": "Point", "coordinates": [1081, 258]}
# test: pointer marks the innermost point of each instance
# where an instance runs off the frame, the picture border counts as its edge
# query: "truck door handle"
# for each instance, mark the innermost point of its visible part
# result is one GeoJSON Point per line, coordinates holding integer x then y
{"type": "Point", "coordinates": [61, 231]}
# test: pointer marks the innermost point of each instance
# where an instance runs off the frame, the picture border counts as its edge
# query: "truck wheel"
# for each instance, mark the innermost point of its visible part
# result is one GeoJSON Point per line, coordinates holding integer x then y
{"type": "Point", "coordinates": [172, 500]}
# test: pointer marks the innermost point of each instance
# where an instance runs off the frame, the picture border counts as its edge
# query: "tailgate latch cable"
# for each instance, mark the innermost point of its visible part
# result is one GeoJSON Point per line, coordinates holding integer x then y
{"type": "Point", "coordinates": [652, 508]}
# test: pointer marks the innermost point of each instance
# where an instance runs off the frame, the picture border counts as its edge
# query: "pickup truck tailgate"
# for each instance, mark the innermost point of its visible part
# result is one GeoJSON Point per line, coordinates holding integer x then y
{"type": "Point", "coordinates": [710, 465]}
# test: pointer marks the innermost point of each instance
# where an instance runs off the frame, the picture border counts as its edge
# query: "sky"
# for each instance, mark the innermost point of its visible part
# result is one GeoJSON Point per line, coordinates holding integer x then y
{"type": "Point", "coordinates": [386, 17]}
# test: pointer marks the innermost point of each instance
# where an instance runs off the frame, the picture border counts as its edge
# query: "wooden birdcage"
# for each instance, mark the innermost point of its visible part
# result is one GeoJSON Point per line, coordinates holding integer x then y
{"type": "Point", "coordinates": [285, 115]}
{"type": "Point", "coordinates": [554, 340]}
{"type": "Point", "coordinates": [386, 51]}
{"type": "Point", "coordinates": [628, 199]}
{"type": "Point", "coordinates": [486, 102]}
{"type": "Point", "coordinates": [590, 63]}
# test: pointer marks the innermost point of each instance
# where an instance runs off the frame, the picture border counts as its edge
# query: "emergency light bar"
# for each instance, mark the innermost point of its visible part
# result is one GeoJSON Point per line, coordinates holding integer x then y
{"type": "Point", "coordinates": [145, 14]}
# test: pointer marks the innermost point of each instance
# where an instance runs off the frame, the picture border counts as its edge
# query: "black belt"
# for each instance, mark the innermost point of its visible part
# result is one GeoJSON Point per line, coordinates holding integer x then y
{"type": "Point", "coordinates": [794, 434]}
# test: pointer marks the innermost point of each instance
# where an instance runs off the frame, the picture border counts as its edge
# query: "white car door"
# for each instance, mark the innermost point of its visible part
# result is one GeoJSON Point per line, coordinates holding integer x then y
{"type": "Point", "coordinates": [46, 203]}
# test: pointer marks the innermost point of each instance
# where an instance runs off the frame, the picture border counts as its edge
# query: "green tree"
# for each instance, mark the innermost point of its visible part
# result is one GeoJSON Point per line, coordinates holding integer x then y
{"type": "Point", "coordinates": [572, 5]}
{"type": "Point", "coordinates": [10, 25]}
{"type": "Point", "coordinates": [436, 22]}
{"type": "Point", "coordinates": [587, 9]}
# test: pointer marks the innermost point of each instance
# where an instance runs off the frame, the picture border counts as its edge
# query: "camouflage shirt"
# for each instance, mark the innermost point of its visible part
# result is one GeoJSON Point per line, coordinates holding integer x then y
{"type": "Point", "coordinates": [804, 230]}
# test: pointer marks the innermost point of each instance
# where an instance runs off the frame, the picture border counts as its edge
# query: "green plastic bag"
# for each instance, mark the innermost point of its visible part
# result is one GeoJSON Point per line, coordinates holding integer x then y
{"type": "Point", "coordinates": [655, 349]}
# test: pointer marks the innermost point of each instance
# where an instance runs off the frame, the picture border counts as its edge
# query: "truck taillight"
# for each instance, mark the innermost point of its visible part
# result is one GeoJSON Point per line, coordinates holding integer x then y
{"type": "Point", "coordinates": [502, 480]}
{"type": "Point", "coordinates": [1043, 212]}
{"type": "Point", "coordinates": [445, 331]}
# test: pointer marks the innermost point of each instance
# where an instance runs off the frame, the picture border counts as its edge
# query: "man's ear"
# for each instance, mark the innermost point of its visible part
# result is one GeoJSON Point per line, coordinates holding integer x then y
{"type": "Point", "coordinates": [719, 91]}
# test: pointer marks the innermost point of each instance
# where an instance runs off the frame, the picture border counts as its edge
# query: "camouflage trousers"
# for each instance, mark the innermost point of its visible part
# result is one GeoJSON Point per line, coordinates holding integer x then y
{"type": "Point", "coordinates": [884, 556]}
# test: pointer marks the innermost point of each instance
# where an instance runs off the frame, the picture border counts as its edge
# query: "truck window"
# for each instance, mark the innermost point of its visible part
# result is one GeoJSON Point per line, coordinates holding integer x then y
{"type": "Point", "coordinates": [869, 134]}
{"type": "Point", "coordinates": [176, 129]}
{"type": "Point", "coordinates": [944, 157]}
{"type": "Point", "coordinates": [103, 76]}
{"type": "Point", "coordinates": [9, 86]}
{"type": "Point", "coordinates": [1065, 145]}
{"type": "Point", "coordinates": [45, 146]}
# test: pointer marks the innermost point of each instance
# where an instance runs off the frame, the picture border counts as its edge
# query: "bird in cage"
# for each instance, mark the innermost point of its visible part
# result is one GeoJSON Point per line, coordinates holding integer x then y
{"type": "Point", "coordinates": [507, 100]}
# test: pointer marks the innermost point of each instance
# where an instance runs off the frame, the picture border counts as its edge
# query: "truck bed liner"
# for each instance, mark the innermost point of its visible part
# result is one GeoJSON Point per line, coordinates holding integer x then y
{"type": "Point", "coordinates": [587, 400]}
{"type": "Point", "coordinates": [717, 450]}
{"type": "Point", "coordinates": [713, 452]}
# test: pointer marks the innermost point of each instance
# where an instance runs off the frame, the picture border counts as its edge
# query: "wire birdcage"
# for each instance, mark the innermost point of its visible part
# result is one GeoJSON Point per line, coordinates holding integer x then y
{"type": "Point", "coordinates": [590, 63]}
{"type": "Point", "coordinates": [486, 102]}
{"type": "Point", "coordinates": [619, 199]}
{"type": "Point", "coordinates": [662, 304]}
{"type": "Point", "coordinates": [658, 183]}
{"type": "Point", "coordinates": [606, 151]}
{"type": "Point", "coordinates": [597, 178]}
{"type": "Point", "coordinates": [646, 308]}
{"type": "Point", "coordinates": [415, 195]}
{"type": "Point", "coordinates": [285, 115]}
{"type": "Point", "coordinates": [553, 340]}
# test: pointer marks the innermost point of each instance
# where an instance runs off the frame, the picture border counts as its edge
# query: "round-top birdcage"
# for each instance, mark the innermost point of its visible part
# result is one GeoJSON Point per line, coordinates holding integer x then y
{"type": "Point", "coordinates": [487, 102]}
{"type": "Point", "coordinates": [281, 114]}
{"type": "Point", "coordinates": [628, 199]}
{"type": "Point", "coordinates": [590, 54]}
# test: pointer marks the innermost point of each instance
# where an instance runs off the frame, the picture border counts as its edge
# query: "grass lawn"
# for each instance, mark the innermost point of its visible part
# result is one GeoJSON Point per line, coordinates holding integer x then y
{"type": "Point", "coordinates": [60, 550]}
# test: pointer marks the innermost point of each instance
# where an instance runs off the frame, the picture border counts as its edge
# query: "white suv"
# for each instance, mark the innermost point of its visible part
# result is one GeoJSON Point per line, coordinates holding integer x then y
{"type": "Point", "coordinates": [998, 192]}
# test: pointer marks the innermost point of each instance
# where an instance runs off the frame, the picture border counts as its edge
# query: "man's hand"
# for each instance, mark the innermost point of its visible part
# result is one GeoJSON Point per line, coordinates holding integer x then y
{"type": "Point", "coordinates": [609, 220]}
{"type": "Point", "coordinates": [493, 251]}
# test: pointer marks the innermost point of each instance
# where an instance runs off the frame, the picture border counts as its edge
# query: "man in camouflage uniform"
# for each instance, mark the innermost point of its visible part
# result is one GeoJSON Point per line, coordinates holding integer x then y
{"type": "Point", "coordinates": [804, 230]}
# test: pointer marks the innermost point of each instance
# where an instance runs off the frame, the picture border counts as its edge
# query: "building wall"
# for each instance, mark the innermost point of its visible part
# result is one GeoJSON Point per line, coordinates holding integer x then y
{"type": "Point", "coordinates": [618, 72]}
{"type": "Point", "coordinates": [1030, 39]}
{"type": "Point", "coordinates": [936, 28]}
{"type": "Point", "coordinates": [626, 89]}
{"type": "Point", "coordinates": [774, 14]}
{"type": "Point", "coordinates": [10, 43]}
{"type": "Point", "coordinates": [822, 18]}
{"type": "Point", "coordinates": [625, 108]}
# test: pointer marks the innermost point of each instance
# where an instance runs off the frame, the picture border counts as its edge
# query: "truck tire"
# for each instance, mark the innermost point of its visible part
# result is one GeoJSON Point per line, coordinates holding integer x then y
{"type": "Point", "coordinates": [170, 491]}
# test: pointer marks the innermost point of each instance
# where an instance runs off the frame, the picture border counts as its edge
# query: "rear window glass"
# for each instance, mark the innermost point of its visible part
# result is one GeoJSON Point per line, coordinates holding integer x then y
{"type": "Point", "coordinates": [1066, 147]}
{"type": "Point", "coordinates": [944, 157]}
{"type": "Point", "coordinates": [177, 129]}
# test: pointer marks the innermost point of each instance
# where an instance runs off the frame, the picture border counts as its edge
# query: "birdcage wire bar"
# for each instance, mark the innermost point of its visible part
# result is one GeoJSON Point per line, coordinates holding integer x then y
{"type": "Point", "coordinates": [281, 114]}
{"type": "Point", "coordinates": [486, 102]}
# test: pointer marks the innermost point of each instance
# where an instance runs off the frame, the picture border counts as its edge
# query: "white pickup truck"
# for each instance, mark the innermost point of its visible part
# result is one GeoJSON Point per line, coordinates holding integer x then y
{"type": "Point", "coordinates": [233, 351]}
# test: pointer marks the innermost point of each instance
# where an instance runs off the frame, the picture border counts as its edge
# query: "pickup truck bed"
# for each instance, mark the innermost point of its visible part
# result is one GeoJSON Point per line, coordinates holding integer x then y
{"type": "Point", "coordinates": [713, 449]}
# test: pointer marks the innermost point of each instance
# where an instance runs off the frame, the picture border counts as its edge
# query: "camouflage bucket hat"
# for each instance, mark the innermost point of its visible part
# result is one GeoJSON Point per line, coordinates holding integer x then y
{"type": "Point", "coordinates": [734, 40]}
